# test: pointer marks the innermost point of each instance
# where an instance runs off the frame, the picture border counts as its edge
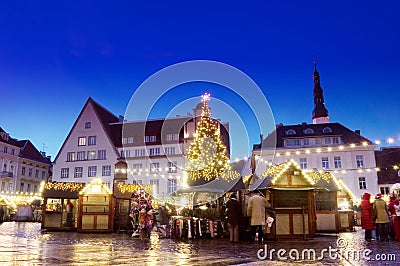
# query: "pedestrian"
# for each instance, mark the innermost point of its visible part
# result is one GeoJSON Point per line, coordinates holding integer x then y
{"type": "Point", "coordinates": [256, 211]}
{"type": "Point", "coordinates": [234, 217]}
{"type": "Point", "coordinates": [367, 221]}
{"type": "Point", "coordinates": [162, 219]}
{"type": "Point", "coordinates": [394, 218]}
{"type": "Point", "coordinates": [382, 218]}
{"type": "Point", "coordinates": [1, 214]}
{"type": "Point", "coordinates": [70, 213]}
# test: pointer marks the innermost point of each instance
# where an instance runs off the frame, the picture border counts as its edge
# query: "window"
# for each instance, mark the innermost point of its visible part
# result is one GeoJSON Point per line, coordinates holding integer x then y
{"type": "Point", "coordinates": [124, 140]}
{"type": "Point", "coordinates": [3, 186]}
{"type": "Point", "coordinates": [82, 141]}
{"type": "Point", "coordinates": [150, 139]}
{"type": "Point", "coordinates": [91, 155]}
{"type": "Point", "coordinates": [325, 163]}
{"type": "Point", "coordinates": [130, 140]}
{"type": "Point", "coordinates": [296, 142]}
{"type": "Point", "coordinates": [43, 175]}
{"type": "Point", "coordinates": [70, 156]}
{"type": "Point", "coordinates": [154, 151]}
{"type": "Point", "coordinates": [64, 172]}
{"type": "Point", "coordinates": [78, 172]}
{"type": "Point", "coordinates": [125, 153]}
{"type": "Point", "coordinates": [101, 154]}
{"type": "Point", "coordinates": [136, 167]}
{"type": "Point", "coordinates": [306, 142]}
{"type": "Point", "coordinates": [171, 137]}
{"type": "Point", "coordinates": [290, 132]}
{"type": "Point", "coordinates": [12, 151]}
{"type": "Point", "coordinates": [385, 190]}
{"type": "Point", "coordinates": [5, 149]}
{"type": "Point", "coordinates": [303, 163]}
{"type": "Point", "coordinates": [327, 130]}
{"type": "Point", "coordinates": [308, 131]}
{"type": "Point", "coordinates": [328, 141]}
{"type": "Point", "coordinates": [169, 150]}
{"type": "Point", "coordinates": [335, 140]}
{"type": "Point", "coordinates": [398, 173]}
{"type": "Point", "coordinates": [154, 168]}
{"type": "Point", "coordinates": [172, 167]}
{"type": "Point", "coordinates": [21, 187]}
{"type": "Point", "coordinates": [28, 189]}
{"type": "Point", "coordinates": [23, 170]}
{"type": "Point", "coordinates": [362, 183]}
{"type": "Point", "coordinates": [155, 183]}
{"type": "Point", "coordinates": [30, 172]}
{"type": "Point", "coordinates": [88, 125]}
{"type": "Point", "coordinates": [137, 182]}
{"type": "Point", "coordinates": [80, 156]}
{"type": "Point", "coordinates": [92, 171]}
{"type": "Point", "coordinates": [171, 185]}
{"type": "Point", "coordinates": [337, 161]}
{"type": "Point", "coordinates": [140, 153]}
{"type": "Point", "coordinates": [92, 140]}
{"type": "Point", "coordinates": [106, 170]}
{"type": "Point", "coordinates": [35, 189]}
{"type": "Point", "coordinates": [360, 161]}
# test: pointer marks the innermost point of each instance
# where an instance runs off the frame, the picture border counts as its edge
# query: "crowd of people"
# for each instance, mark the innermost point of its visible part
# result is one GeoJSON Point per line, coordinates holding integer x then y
{"type": "Point", "coordinates": [381, 218]}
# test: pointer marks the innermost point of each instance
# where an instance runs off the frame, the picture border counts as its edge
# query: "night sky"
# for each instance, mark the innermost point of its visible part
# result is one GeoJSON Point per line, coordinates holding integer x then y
{"type": "Point", "coordinates": [54, 56]}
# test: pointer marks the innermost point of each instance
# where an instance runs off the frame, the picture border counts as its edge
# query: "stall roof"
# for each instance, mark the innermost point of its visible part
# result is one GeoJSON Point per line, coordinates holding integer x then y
{"type": "Point", "coordinates": [62, 190]}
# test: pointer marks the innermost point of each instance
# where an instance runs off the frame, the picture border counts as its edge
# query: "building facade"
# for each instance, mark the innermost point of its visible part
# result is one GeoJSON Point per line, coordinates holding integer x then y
{"type": "Point", "coordinates": [23, 167]}
{"type": "Point", "coordinates": [388, 163]}
{"type": "Point", "coordinates": [322, 146]}
{"type": "Point", "coordinates": [103, 145]}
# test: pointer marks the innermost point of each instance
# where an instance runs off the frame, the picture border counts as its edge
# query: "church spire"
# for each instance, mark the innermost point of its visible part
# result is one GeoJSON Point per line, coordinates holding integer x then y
{"type": "Point", "coordinates": [319, 114]}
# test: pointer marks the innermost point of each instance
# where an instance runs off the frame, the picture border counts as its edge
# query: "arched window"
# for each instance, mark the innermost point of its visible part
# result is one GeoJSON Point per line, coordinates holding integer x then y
{"type": "Point", "coordinates": [327, 130]}
{"type": "Point", "coordinates": [290, 132]}
{"type": "Point", "coordinates": [308, 131]}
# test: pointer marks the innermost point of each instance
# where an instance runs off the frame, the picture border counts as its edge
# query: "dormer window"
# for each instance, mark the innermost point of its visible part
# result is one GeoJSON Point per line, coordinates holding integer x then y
{"type": "Point", "coordinates": [308, 131]}
{"type": "Point", "coordinates": [290, 132]}
{"type": "Point", "coordinates": [327, 130]}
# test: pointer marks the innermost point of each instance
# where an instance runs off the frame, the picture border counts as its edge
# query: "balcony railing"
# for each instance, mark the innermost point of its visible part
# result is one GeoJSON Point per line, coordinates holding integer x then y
{"type": "Point", "coordinates": [6, 174]}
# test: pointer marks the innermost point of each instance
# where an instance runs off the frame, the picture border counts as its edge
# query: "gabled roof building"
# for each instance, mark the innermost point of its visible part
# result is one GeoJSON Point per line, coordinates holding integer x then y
{"type": "Point", "coordinates": [321, 145]}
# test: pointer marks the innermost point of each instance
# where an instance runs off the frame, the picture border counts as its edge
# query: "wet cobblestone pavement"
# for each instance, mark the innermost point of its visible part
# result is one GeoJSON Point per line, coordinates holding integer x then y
{"type": "Point", "coordinates": [26, 244]}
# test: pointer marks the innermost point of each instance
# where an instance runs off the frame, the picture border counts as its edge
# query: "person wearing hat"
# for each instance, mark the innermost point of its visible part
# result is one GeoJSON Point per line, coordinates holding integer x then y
{"type": "Point", "coordinates": [367, 221]}
{"type": "Point", "coordinates": [394, 219]}
{"type": "Point", "coordinates": [382, 218]}
{"type": "Point", "coordinates": [234, 217]}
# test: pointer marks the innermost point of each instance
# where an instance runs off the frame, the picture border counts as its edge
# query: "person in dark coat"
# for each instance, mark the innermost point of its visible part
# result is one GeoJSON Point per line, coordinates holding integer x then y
{"type": "Point", "coordinates": [234, 217]}
{"type": "Point", "coordinates": [394, 219]}
{"type": "Point", "coordinates": [367, 221]}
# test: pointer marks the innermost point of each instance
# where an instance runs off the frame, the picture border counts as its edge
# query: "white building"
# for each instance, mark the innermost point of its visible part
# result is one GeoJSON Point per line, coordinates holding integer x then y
{"type": "Point", "coordinates": [321, 146]}
{"type": "Point", "coordinates": [145, 152]}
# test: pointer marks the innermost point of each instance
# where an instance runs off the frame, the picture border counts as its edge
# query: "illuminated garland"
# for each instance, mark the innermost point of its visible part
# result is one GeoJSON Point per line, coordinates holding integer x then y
{"type": "Point", "coordinates": [207, 154]}
{"type": "Point", "coordinates": [277, 170]}
{"type": "Point", "coordinates": [134, 188]}
{"type": "Point", "coordinates": [63, 186]}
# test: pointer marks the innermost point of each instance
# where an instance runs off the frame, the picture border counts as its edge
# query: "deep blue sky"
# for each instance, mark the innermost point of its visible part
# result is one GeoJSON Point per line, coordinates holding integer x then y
{"type": "Point", "coordinates": [54, 56]}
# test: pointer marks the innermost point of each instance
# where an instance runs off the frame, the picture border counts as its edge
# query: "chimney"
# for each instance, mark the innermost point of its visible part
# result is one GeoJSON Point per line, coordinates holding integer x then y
{"type": "Point", "coordinates": [357, 131]}
{"type": "Point", "coordinates": [120, 118]}
{"type": "Point", "coordinates": [261, 138]}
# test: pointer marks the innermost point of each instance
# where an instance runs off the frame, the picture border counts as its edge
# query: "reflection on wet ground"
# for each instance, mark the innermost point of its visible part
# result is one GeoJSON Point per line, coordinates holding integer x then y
{"type": "Point", "coordinates": [26, 244]}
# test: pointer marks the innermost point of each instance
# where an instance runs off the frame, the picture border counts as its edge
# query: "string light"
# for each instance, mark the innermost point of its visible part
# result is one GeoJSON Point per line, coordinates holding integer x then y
{"type": "Point", "coordinates": [207, 156]}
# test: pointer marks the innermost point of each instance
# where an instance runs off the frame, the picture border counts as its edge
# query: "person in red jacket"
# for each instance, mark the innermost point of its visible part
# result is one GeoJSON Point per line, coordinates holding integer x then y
{"type": "Point", "coordinates": [367, 221]}
{"type": "Point", "coordinates": [394, 219]}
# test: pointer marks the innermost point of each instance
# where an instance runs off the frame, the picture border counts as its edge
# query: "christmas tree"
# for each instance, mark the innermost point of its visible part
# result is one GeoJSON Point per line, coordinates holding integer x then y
{"type": "Point", "coordinates": [207, 156]}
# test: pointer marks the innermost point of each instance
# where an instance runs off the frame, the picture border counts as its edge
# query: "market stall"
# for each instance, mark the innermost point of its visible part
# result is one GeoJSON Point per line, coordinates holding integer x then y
{"type": "Point", "coordinates": [57, 211]}
{"type": "Point", "coordinates": [95, 211]}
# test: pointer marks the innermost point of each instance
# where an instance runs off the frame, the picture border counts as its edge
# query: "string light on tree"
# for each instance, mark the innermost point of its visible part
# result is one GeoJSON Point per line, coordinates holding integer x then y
{"type": "Point", "coordinates": [207, 156]}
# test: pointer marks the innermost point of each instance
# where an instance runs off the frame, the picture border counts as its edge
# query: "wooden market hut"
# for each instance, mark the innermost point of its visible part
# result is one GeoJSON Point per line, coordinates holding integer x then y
{"type": "Point", "coordinates": [56, 194]}
{"type": "Point", "coordinates": [333, 201]}
{"type": "Point", "coordinates": [122, 202]}
{"type": "Point", "coordinates": [95, 212]}
{"type": "Point", "coordinates": [291, 193]}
